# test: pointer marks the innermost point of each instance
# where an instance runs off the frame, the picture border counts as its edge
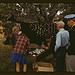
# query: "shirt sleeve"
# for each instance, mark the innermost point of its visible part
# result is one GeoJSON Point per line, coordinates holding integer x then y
{"type": "Point", "coordinates": [58, 42]}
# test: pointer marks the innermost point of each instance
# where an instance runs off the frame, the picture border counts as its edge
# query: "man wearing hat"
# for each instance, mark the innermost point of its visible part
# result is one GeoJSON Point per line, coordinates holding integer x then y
{"type": "Point", "coordinates": [62, 42]}
{"type": "Point", "coordinates": [70, 57]}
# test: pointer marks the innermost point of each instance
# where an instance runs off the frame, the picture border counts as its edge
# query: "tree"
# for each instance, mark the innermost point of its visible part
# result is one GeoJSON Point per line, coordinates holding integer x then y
{"type": "Point", "coordinates": [41, 14]}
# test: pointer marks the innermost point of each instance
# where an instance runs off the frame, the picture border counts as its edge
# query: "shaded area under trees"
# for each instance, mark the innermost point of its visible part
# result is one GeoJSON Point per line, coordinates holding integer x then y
{"type": "Point", "coordinates": [39, 13]}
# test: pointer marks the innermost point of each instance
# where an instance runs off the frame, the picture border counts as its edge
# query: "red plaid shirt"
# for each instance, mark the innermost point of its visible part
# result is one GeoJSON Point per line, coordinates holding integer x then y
{"type": "Point", "coordinates": [22, 45]}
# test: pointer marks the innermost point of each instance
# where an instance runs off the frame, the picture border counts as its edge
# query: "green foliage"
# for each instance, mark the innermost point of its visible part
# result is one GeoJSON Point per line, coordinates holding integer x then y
{"type": "Point", "coordinates": [5, 55]}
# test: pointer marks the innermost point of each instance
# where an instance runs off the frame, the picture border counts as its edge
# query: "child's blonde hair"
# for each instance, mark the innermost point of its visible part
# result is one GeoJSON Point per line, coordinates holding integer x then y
{"type": "Point", "coordinates": [14, 28]}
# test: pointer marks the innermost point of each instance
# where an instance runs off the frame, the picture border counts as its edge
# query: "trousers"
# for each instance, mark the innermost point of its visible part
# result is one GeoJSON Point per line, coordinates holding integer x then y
{"type": "Point", "coordinates": [60, 59]}
{"type": "Point", "coordinates": [70, 61]}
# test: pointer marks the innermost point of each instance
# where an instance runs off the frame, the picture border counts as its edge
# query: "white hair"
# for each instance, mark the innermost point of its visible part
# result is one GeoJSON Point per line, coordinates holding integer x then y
{"type": "Point", "coordinates": [60, 24]}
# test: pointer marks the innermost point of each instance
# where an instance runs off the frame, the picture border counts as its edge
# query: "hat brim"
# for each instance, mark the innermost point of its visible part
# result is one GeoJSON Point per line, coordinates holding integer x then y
{"type": "Point", "coordinates": [69, 16]}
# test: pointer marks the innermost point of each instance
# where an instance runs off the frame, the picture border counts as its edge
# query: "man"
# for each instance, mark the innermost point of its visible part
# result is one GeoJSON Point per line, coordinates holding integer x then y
{"type": "Point", "coordinates": [70, 57]}
{"type": "Point", "coordinates": [62, 42]}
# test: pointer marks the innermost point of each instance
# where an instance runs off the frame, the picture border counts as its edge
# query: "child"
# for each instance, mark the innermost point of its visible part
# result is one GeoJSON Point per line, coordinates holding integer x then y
{"type": "Point", "coordinates": [19, 51]}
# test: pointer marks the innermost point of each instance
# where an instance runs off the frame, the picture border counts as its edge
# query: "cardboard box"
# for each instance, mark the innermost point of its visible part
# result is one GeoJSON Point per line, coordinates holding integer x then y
{"type": "Point", "coordinates": [43, 67]}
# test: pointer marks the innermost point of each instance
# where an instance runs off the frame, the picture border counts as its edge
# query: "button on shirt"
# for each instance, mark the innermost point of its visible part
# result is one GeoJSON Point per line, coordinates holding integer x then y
{"type": "Point", "coordinates": [62, 39]}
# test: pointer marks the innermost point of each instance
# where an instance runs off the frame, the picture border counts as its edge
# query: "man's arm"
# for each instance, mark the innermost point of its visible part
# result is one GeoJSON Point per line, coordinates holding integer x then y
{"type": "Point", "coordinates": [58, 41]}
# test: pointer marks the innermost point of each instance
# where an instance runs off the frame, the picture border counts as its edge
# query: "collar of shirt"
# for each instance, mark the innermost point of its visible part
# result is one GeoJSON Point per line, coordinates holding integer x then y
{"type": "Point", "coordinates": [61, 29]}
{"type": "Point", "coordinates": [23, 35]}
